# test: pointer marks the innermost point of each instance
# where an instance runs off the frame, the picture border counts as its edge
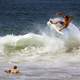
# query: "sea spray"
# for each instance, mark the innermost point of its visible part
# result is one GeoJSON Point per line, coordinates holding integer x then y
{"type": "Point", "coordinates": [40, 47]}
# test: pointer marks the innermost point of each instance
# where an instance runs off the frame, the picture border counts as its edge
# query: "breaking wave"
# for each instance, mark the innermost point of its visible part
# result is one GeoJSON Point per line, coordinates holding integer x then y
{"type": "Point", "coordinates": [40, 47]}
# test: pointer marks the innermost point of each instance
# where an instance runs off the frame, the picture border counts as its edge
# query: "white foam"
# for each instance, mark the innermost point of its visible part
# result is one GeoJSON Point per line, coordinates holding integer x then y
{"type": "Point", "coordinates": [36, 47]}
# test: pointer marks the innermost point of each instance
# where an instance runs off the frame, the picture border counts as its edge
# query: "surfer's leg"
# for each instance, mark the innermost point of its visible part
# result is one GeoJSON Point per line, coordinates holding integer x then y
{"type": "Point", "coordinates": [62, 23]}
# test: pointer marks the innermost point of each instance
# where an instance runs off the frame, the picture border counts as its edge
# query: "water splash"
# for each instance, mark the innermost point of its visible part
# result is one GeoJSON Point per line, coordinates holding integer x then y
{"type": "Point", "coordinates": [40, 47]}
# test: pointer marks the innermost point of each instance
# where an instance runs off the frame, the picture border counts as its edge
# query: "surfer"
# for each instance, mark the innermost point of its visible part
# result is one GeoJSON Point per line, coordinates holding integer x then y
{"type": "Point", "coordinates": [65, 22]}
{"type": "Point", "coordinates": [14, 70]}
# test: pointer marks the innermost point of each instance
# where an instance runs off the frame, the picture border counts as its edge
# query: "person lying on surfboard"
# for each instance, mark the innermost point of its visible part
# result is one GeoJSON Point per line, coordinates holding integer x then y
{"type": "Point", "coordinates": [65, 23]}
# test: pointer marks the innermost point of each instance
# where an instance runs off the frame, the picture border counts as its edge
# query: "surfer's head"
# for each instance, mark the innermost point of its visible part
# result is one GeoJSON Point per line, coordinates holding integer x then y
{"type": "Point", "coordinates": [66, 17]}
{"type": "Point", "coordinates": [15, 67]}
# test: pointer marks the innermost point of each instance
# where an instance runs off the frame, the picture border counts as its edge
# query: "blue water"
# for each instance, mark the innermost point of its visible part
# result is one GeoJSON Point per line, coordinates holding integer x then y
{"type": "Point", "coordinates": [23, 16]}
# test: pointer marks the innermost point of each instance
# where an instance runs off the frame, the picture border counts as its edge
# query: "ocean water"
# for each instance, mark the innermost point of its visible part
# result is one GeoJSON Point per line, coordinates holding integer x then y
{"type": "Point", "coordinates": [22, 17]}
{"type": "Point", "coordinates": [28, 42]}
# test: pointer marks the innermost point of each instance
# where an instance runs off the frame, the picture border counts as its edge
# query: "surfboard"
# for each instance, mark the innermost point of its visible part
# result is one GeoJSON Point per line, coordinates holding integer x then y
{"type": "Point", "coordinates": [56, 27]}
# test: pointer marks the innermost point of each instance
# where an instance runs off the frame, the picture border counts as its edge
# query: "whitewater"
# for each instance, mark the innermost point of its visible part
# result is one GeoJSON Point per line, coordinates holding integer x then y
{"type": "Point", "coordinates": [41, 47]}
{"type": "Point", "coordinates": [44, 56]}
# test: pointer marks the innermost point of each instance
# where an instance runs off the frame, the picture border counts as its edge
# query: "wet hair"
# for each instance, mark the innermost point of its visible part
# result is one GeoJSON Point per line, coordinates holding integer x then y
{"type": "Point", "coordinates": [15, 67]}
{"type": "Point", "coordinates": [67, 17]}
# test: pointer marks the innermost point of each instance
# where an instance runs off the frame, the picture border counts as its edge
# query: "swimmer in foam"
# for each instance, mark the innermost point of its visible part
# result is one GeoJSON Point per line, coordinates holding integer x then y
{"type": "Point", "coordinates": [65, 23]}
{"type": "Point", "coordinates": [14, 70]}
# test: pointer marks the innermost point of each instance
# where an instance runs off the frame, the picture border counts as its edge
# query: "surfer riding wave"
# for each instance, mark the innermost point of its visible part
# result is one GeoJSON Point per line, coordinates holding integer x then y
{"type": "Point", "coordinates": [65, 22]}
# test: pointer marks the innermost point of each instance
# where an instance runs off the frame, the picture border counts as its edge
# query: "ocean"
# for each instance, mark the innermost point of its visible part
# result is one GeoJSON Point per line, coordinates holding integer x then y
{"type": "Point", "coordinates": [28, 42]}
{"type": "Point", "coordinates": [21, 17]}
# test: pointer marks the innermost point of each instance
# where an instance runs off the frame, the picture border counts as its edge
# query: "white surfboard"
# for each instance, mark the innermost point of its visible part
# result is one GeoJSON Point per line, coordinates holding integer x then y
{"type": "Point", "coordinates": [57, 26]}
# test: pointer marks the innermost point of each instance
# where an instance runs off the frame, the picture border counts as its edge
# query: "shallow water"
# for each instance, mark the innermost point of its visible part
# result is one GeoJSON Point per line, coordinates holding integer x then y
{"type": "Point", "coordinates": [40, 71]}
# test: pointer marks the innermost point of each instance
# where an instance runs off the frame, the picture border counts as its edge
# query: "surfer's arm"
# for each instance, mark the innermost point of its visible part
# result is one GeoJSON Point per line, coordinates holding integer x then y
{"type": "Point", "coordinates": [70, 18]}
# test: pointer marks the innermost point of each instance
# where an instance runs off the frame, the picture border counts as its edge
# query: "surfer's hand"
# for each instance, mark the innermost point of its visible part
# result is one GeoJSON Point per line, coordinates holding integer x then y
{"type": "Point", "coordinates": [72, 17]}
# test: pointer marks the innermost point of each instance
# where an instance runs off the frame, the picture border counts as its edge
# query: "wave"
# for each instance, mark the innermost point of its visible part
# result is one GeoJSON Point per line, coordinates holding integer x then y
{"type": "Point", "coordinates": [12, 43]}
{"type": "Point", "coordinates": [40, 47]}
